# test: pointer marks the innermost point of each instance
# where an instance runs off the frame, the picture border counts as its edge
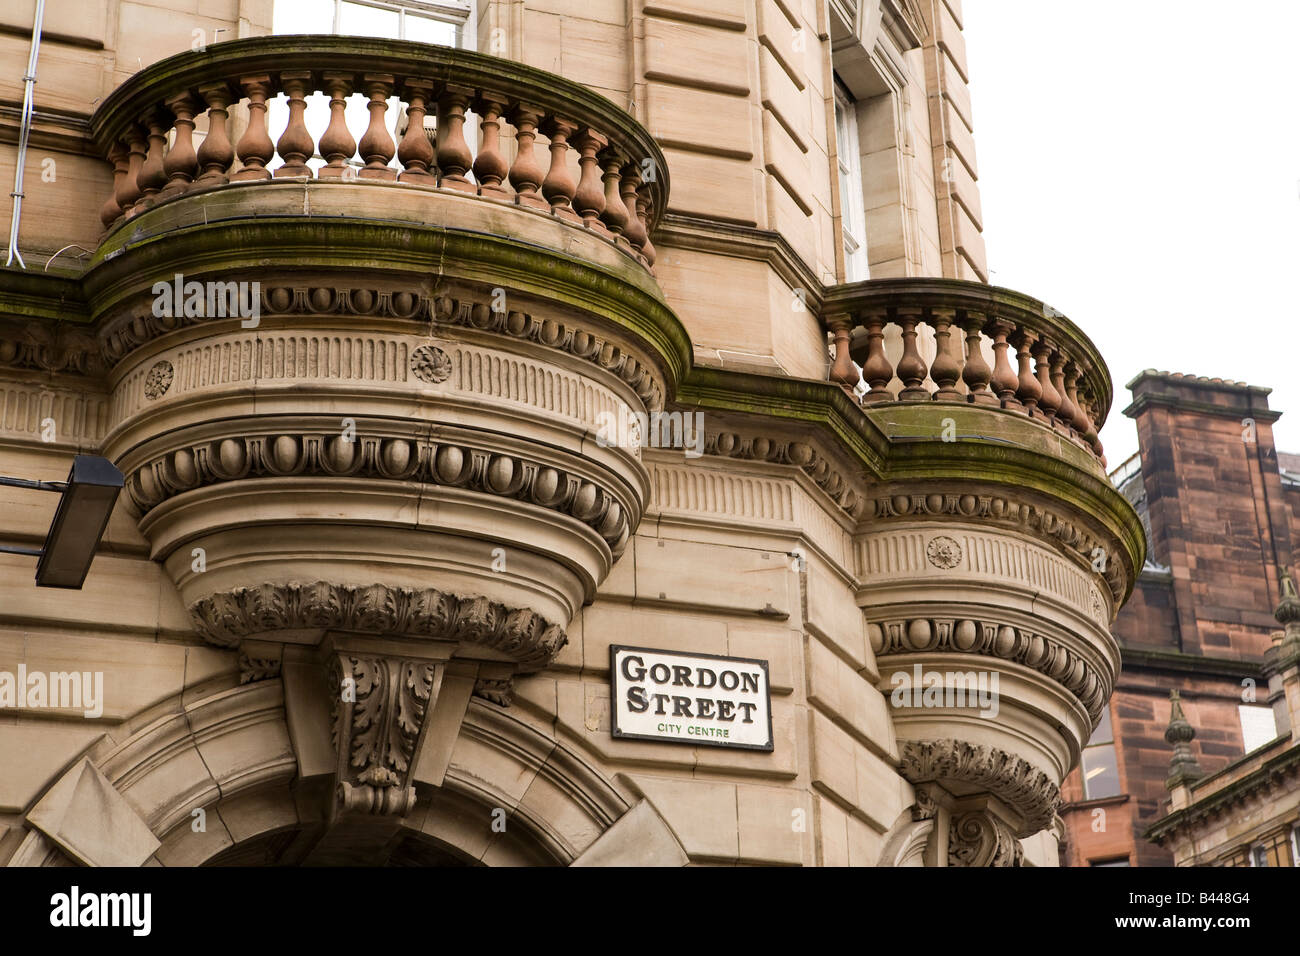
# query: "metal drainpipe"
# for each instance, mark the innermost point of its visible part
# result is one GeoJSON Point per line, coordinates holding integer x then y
{"type": "Point", "coordinates": [29, 90]}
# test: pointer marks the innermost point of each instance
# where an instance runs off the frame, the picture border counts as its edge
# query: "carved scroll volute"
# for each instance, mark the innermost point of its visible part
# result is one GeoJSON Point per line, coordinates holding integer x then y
{"type": "Point", "coordinates": [378, 713]}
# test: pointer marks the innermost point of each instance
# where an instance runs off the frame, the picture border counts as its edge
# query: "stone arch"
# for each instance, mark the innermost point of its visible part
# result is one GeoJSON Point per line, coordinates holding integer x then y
{"type": "Point", "coordinates": [227, 756]}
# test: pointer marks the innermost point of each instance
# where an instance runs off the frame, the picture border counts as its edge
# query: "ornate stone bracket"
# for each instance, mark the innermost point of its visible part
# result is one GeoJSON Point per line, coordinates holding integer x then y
{"type": "Point", "coordinates": [1019, 785]}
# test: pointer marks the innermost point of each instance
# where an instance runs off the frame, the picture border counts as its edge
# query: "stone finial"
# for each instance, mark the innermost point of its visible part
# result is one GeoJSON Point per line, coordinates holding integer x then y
{"type": "Point", "coordinates": [1183, 768]}
{"type": "Point", "coordinates": [1288, 609]}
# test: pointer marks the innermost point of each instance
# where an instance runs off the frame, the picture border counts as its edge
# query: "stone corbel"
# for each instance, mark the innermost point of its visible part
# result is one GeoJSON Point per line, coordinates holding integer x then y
{"type": "Point", "coordinates": [372, 718]}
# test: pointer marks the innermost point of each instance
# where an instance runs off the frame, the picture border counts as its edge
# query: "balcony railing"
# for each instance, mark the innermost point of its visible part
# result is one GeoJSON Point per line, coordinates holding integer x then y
{"type": "Point", "coordinates": [618, 190]}
{"type": "Point", "coordinates": [1059, 379]}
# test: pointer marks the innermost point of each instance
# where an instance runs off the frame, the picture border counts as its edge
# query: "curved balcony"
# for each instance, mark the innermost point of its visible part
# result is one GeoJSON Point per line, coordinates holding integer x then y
{"type": "Point", "coordinates": [946, 340]}
{"type": "Point", "coordinates": [994, 553]}
{"type": "Point", "coordinates": [619, 192]}
{"type": "Point", "coordinates": [363, 398]}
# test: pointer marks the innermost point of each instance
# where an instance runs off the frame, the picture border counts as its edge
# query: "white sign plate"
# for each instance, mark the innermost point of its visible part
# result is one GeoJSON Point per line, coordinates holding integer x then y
{"type": "Point", "coordinates": [698, 699]}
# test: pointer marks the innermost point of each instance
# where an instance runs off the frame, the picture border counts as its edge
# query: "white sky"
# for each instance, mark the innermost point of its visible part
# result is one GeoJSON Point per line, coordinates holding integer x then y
{"type": "Point", "coordinates": [1139, 170]}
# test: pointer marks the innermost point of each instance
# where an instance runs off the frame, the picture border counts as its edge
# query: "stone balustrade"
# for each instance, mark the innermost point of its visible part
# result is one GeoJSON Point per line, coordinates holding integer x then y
{"type": "Point", "coordinates": [618, 191]}
{"type": "Point", "coordinates": [983, 345]}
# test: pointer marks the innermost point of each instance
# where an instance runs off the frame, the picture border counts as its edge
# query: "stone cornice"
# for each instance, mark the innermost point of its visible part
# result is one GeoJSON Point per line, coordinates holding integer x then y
{"type": "Point", "coordinates": [254, 248]}
{"type": "Point", "coordinates": [721, 238]}
{"type": "Point", "coordinates": [1279, 771]}
{"type": "Point", "coordinates": [1188, 663]}
{"type": "Point", "coordinates": [1012, 779]}
{"type": "Point", "coordinates": [1004, 511]}
{"type": "Point", "coordinates": [226, 618]}
{"type": "Point", "coordinates": [327, 455]}
{"type": "Point", "coordinates": [1037, 651]}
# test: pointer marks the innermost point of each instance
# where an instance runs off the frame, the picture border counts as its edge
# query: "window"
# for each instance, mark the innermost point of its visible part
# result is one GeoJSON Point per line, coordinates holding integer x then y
{"type": "Point", "coordinates": [1258, 726]}
{"type": "Point", "coordinates": [1272, 850]}
{"type": "Point", "coordinates": [852, 214]}
{"type": "Point", "coordinates": [1100, 771]}
{"type": "Point", "coordinates": [1122, 861]}
{"type": "Point", "coordinates": [1295, 845]}
{"type": "Point", "coordinates": [425, 21]}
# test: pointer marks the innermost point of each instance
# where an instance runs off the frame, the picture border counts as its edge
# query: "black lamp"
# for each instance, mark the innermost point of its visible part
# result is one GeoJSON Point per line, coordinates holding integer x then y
{"type": "Point", "coordinates": [85, 503]}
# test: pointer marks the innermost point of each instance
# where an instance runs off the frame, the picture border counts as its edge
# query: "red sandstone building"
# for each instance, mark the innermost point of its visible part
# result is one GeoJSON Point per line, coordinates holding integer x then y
{"type": "Point", "coordinates": [1221, 508]}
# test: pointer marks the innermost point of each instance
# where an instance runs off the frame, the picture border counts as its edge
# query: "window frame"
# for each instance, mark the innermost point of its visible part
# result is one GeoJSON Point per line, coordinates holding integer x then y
{"type": "Point", "coordinates": [457, 13]}
{"type": "Point", "coordinates": [1098, 745]}
{"type": "Point", "coordinates": [853, 213]}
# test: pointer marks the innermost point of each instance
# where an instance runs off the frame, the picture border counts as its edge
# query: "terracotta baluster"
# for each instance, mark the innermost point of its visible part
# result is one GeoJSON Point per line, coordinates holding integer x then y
{"type": "Point", "coordinates": [1005, 381]}
{"type": "Point", "coordinates": [589, 200]}
{"type": "Point", "coordinates": [415, 152]}
{"type": "Point", "coordinates": [295, 144]}
{"type": "Point", "coordinates": [876, 369]}
{"type": "Point", "coordinates": [1049, 401]}
{"type": "Point", "coordinates": [130, 193]}
{"type": "Point", "coordinates": [1028, 391]}
{"type": "Point", "coordinates": [911, 367]}
{"type": "Point", "coordinates": [111, 211]}
{"type": "Point", "coordinates": [635, 231]}
{"type": "Point", "coordinates": [1080, 422]}
{"type": "Point", "coordinates": [255, 148]}
{"type": "Point", "coordinates": [977, 373]}
{"type": "Point", "coordinates": [215, 152]}
{"type": "Point", "coordinates": [643, 213]}
{"type": "Point", "coordinates": [559, 187]}
{"type": "Point", "coordinates": [377, 147]}
{"type": "Point", "coordinates": [1086, 405]}
{"type": "Point", "coordinates": [842, 371]}
{"type": "Point", "coordinates": [181, 162]}
{"type": "Point", "coordinates": [454, 157]}
{"type": "Point", "coordinates": [616, 214]}
{"type": "Point", "coordinates": [1065, 412]}
{"type": "Point", "coordinates": [490, 167]}
{"type": "Point", "coordinates": [526, 174]}
{"type": "Point", "coordinates": [944, 370]}
{"type": "Point", "coordinates": [152, 175]}
{"type": "Point", "coordinates": [337, 146]}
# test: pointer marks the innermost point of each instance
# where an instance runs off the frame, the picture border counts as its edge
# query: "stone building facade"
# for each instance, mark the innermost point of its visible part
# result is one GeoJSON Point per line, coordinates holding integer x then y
{"type": "Point", "coordinates": [434, 372]}
{"type": "Point", "coordinates": [1221, 506]}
